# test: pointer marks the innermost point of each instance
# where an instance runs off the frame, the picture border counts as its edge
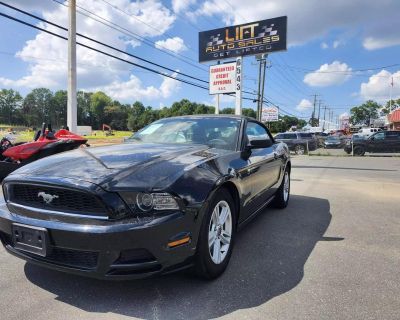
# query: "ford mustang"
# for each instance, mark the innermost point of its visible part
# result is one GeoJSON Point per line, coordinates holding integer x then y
{"type": "Point", "coordinates": [172, 196]}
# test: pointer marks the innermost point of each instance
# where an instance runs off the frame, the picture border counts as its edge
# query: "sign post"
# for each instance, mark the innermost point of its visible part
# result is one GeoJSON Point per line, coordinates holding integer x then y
{"type": "Point", "coordinates": [259, 37]}
{"type": "Point", "coordinates": [239, 81]}
{"type": "Point", "coordinates": [217, 104]}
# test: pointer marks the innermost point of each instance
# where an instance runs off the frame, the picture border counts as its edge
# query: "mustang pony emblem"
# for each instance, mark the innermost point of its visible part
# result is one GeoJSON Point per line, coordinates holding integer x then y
{"type": "Point", "coordinates": [48, 198]}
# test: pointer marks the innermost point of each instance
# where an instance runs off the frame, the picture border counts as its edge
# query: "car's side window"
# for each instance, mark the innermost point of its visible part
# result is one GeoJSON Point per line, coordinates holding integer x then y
{"type": "Point", "coordinates": [255, 131]}
{"type": "Point", "coordinates": [290, 136]}
{"type": "Point", "coordinates": [379, 136]}
{"type": "Point", "coordinates": [393, 135]}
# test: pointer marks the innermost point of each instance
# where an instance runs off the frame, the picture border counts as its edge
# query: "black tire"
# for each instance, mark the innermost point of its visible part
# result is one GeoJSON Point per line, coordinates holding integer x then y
{"type": "Point", "coordinates": [281, 201]}
{"type": "Point", "coordinates": [299, 149]}
{"type": "Point", "coordinates": [359, 151]}
{"type": "Point", "coordinates": [205, 267]}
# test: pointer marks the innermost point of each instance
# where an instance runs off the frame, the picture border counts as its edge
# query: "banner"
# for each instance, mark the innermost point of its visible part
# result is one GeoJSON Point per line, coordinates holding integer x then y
{"type": "Point", "coordinates": [269, 114]}
{"type": "Point", "coordinates": [259, 37]}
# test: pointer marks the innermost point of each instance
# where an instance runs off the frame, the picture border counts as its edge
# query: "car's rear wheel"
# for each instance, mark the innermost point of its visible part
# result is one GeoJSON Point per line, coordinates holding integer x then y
{"type": "Point", "coordinates": [299, 149]}
{"type": "Point", "coordinates": [359, 151]}
{"type": "Point", "coordinates": [217, 235]}
{"type": "Point", "coordinates": [282, 195]}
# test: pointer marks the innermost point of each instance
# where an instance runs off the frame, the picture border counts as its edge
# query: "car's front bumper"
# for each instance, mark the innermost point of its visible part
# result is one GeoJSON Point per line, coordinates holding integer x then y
{"type": "Point", "coordinates": [128, 249]}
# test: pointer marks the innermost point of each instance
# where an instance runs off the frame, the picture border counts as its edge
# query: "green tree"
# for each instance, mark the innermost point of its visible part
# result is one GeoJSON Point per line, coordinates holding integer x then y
{"type": "Point", "coordinates": [10, 101]}
{"type": "Point", "coordinates": [58, 113]}
{"type": "Point", "coordinates": [364, 113]}
{"type": "Point", "coordinates": [85, 115]}
{"type": "Point", "coordinates": [98, 101]}
{"type": "Point", "coordinates": [37, 107]}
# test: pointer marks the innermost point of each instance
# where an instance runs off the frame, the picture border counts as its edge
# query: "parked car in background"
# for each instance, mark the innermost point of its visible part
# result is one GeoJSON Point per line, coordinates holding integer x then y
{"type": "Point", "coordinates": [174, 197]}
{"type": "Point", "coordinates": [334, 142]}
{"type": "Point", "coordinates": [299, 142]}
{"type": "Point", "coordinates": [379, 142]}
{"type": "Point", "coordinates": [366, 132]}
{"type": "Point", "coordinates": [321, 137]}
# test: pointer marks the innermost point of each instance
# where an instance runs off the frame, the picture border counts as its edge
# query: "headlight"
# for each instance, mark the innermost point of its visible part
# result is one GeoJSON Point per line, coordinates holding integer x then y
{"type": "Point", "coordinates": [141, 201]}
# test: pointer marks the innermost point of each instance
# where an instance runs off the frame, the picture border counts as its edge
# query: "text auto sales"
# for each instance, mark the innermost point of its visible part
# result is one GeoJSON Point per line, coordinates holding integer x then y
{"type": "Point", "coordinates": [240, 47]}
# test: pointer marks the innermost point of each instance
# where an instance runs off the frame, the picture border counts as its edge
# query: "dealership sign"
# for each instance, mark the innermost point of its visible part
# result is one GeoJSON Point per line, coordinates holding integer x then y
{"type": "Point", "coordinates": [223, 78]}
{"type": "Point", "coordinates": [269, 114]}
{"type": "Point", "coordinates": [263, 36]}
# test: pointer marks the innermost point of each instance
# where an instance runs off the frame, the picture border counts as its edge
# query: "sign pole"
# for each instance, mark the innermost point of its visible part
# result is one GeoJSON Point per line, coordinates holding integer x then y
{"type": "Point", "coordinates": [217, 104]}
{"type": "Point", "coordinates": [238, 88]}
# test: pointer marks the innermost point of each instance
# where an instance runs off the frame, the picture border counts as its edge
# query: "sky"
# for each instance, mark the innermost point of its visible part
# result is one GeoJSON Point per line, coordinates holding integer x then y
{"type": "Point", "coordinates": [345, 52]}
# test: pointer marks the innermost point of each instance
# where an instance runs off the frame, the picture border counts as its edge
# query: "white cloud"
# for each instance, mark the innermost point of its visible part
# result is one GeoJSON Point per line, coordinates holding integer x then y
{"type": "Point", "coordinates": [324, 45]}
{"type": "Point", "coordinates": [378, 86]}
{"type": "Point", "coordinates": [336, 44]}
{"type": "Point", "coordinates": [174, 44]}
{"type": "Point", "coordinates": [47, 55]}
{"type": "Point", "coordinates": [372, 43]}
{"type": "Point", "coordinates": [133, 89]}
{"type": "Point", "coordinates": [181, 5]}
{"type": "Point", "coordinates": [303, 22]}
{"type": "Point", "coordinates": [328, 75]}
{"type": "Point", "coordinates": [304, 105]}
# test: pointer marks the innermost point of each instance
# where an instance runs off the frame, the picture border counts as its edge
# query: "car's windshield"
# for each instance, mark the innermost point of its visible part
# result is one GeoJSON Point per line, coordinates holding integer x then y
{"type": "Point", "coordinates": [212, 131]}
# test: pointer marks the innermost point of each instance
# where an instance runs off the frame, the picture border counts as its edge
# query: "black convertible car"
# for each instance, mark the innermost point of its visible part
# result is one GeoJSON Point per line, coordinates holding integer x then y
{"type": "Point", "coordinates": [173, 196]}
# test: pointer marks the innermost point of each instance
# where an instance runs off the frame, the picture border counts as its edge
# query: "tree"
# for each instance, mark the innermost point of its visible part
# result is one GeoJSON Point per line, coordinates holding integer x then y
{"type": "Point", "coordinates": [98, 101]}
{"type": "Point", "coordinates": [58, 114]}
{"type": "Point", "coordinates": [248, 112]}
{"type": "Point", "coordinates": [116, 116]}
{"type": "Point", "coordinates": [85, 115]}
{"type": "Point", "coordinates": [37, 107]}
{"type": "Point", "coordinates": [10, 101]}
{"type": "Point", "coordinates": [364, 113]}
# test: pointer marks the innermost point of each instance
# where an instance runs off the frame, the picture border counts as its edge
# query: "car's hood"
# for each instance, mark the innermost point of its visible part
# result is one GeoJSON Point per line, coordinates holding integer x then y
{"type": "Point", "coordinates": [121, 166]}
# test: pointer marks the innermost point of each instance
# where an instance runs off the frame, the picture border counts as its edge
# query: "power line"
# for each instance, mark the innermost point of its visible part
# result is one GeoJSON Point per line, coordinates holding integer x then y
{"type": "Point", "coordinates": [102, 43]}
{"type": "Point", "coordinates": [104, 53]}
{"type": "Point", "coordinates": [112, 56]}
{"type": "Point", "coordinates": [135, 36]}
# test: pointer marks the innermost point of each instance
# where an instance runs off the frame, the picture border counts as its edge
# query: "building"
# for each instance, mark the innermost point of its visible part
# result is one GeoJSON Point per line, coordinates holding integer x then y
{"type": "Point", "coordinates": [394, 120]}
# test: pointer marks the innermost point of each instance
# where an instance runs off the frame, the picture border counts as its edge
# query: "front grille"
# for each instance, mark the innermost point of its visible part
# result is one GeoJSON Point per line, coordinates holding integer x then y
{"type": "Point", "coordinates": [64, 200]}
{"type": "Point", "coordinates": [69, 258]}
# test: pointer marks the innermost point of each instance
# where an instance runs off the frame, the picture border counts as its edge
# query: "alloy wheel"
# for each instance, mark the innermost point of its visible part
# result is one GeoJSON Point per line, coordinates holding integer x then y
{"type": "Point", "coordinates": [286, 186]}
{"type": "Point", "coordinates": [220, 232]}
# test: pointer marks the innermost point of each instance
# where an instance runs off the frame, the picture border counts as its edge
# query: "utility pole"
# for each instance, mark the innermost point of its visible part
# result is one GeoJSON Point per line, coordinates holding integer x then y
{"type": "Point", "coordinates": [390, 100]}
{"type": "Point", "coordinates": [313, 113]}
{"type": "Point", "coordinates": [261, 82]}
{"type": "Point", "coordinates": [319, 109]}
{"type": "Point", "coordinates": [72, 102]}
{"type": "Point", "coordinates": [323, 125]}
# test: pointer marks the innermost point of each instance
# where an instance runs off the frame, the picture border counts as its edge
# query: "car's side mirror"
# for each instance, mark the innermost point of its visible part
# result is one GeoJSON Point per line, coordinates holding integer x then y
{"type": "Point", "coordinates": [259, 143]}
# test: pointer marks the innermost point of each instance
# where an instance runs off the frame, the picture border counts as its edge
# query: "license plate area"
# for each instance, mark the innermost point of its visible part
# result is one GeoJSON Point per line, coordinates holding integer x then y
{"type": "Point", "coordinates": [30, 239]}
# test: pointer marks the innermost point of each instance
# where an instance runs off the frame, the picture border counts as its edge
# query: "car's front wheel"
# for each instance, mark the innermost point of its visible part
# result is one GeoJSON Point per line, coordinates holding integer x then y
{"type": "Point", "coordinates": [217, 235]}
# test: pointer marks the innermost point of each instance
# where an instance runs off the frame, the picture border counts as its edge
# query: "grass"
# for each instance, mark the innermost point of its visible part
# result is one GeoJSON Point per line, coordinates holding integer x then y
{"type": "Point", "coordinates": [98, 134]}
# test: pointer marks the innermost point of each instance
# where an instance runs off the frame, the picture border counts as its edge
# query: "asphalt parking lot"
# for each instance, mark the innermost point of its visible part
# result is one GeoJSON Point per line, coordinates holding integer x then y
{"type": "Point", "coordinates": [334, 253]}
